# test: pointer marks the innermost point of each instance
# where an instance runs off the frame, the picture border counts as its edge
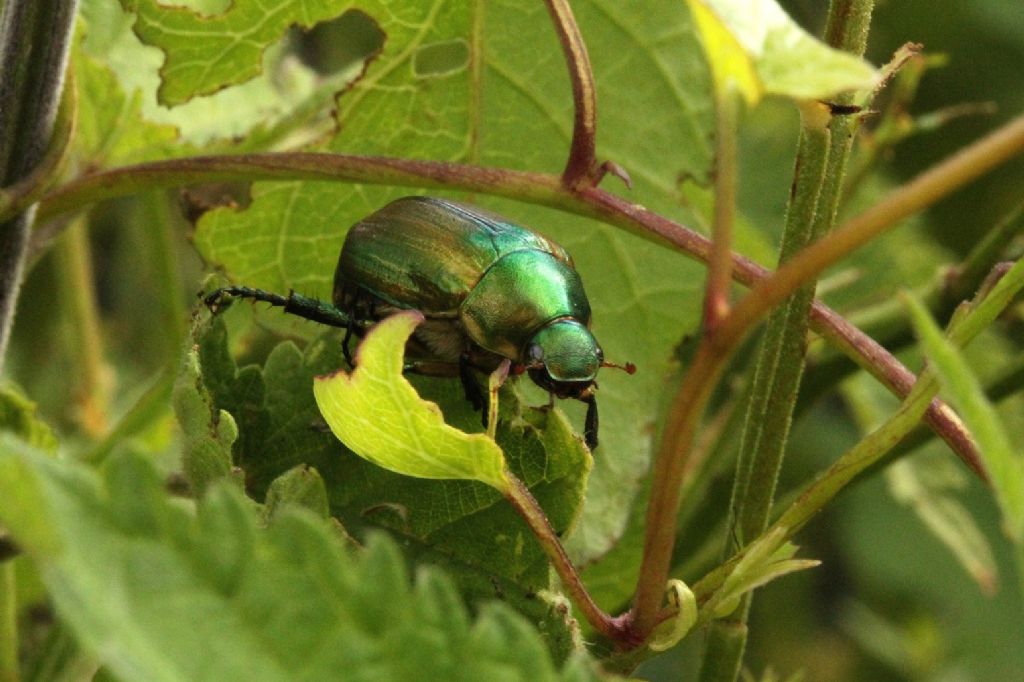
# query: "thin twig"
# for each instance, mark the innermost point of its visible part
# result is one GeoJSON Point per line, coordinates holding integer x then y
{"type": "Point", "coordinates": [864, 350]}
{"type": "Point", "coordinates": [581, 167]}
{"type": "Point", "coordinates": [899, 380]}
{"type": "Point", "coordinates": [716, 293]}
{"type": "Point", "coordinates": [530, 511]}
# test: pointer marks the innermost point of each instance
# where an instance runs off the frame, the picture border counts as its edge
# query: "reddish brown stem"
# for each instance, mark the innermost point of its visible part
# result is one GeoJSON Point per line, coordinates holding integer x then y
{"type": "Point", "coordinates": [539, 188]}
{"type": "Point", "coordinates": [716, 292]}
{"type": "Point", "coordinates": [530, 511]}
{"type": "Point", "coordinates": [582, 167]}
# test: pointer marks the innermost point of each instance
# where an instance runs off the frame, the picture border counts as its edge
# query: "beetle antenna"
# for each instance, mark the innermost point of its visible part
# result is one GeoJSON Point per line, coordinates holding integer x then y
{"type": "Point", "coordinates": [628, 368]}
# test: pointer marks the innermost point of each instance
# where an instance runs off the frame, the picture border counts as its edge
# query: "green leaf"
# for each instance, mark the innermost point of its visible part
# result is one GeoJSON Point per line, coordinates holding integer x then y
{"type": "Point", "coordinates": [671, 632]}
{"type": "Point", "coordinates": [156, 592]}
{"type": "Point", "coordinates": [24, 512]}
{"type": "Point", "coordinates": [377, 413]}
{"type": "Point", "coordinates": [767, 558]}
{"type": "Point", "coordinates": [111, 128]}
{"type": "Point", "coordinates": [755, 46]}
{"type": "Point", "coordinates": [1004, 463]}
{"type": "Point", "coordinates": [299, 486]}
{"type": "Point", "coordinates": [207, 53]}
{"type": "Point", "coordinates": [924, 486]}
{"type": "Point", "coordinates": [208, 432]}
{"type": "Point", "coordinates": [286, 95]}
{"type": "Point", "coordinates": [18, 415]}
{"type": "Point", "coordinates": [732, 67]}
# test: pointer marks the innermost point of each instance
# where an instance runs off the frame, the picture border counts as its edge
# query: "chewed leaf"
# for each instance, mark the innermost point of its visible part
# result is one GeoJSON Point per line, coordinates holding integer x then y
{"type": "Point", "coordinates": [379, 416]}
{"type": "Point", "coordinates": [757, 47]}
{"type": "Point", "coordinates": [204, 53]}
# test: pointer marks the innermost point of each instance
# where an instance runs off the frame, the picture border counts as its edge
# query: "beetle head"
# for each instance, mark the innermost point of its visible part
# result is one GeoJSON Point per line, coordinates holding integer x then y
{"type": "Point", "coordinates": [563, 357]}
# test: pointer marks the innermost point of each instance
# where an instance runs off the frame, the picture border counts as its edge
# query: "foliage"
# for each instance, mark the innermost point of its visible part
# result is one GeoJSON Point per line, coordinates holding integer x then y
{"type": "Point", "coordinates": [147, 583]}
{"type": "Point", "coordinates": [177, 507]}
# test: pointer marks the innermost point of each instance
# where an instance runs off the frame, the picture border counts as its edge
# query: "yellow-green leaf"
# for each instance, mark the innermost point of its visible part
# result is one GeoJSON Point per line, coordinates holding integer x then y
{"type": "Point", "coordinates": [755, 47]}
{"type": "Point", "coordinates": [731, 65]}
{"type": "Point", "coordinates": [379, 416]}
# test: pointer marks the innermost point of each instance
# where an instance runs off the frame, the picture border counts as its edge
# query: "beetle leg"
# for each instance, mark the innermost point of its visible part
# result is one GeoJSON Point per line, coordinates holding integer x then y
{"type": "Point", "coordinates": [356, 320]}
{"type": "Point", "coordinates": [473, 393]}
{"type": "Point", "coordinates": [294, 304]}
{"type": "Point", "coordinates": [344, 345]}
{"type": "Point", "coordinates": [590, 424]}
{"type": "Point", "coordinates": [431, 368]}
{"type": "Point", "coordinates": [494, 384]}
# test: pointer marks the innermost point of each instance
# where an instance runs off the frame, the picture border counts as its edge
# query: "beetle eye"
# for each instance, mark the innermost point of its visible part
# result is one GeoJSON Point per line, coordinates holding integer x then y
{"type": "Point", "coordinates": [536, 352]}
{"type": "Point", "coordinates": [600, 355]}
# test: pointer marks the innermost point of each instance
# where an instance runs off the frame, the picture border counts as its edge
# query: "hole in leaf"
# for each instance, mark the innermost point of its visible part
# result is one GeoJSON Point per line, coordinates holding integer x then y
{"type": "Point", "coordinates": [440, 59]}
{"type": "Point", "coordinates": [332, 46]}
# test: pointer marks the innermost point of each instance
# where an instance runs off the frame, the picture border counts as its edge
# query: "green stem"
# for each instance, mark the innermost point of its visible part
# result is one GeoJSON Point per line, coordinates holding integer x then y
{"type": "Point", "coordinates": [924, 190]}
{"type": "Point", "coordinates": [92, 373]}
{"type": "Point", "coordinates": [861, 456]}
{"type": "Point", "coordinates": [776, 380]}
{"type": "Point", "coordinates": [1010, 382]}
{"type": "Point", "coordinates": [155, 211]}
{"type": "Point", "coordinates": [780, 362]}
{"type": "Point", "coordinates": [34, 41]}
{"type": "Point", "coordinates": [873, 357]}
{"type": "Point", "coordinates": [846, 28]}
{"type": "Point", "coordinates": [9, 669]}
{"type": "Point", "coordinates": [724, 652]}
{"type": "Point", "coordinates": [36, 183]}
{"type": "Point", "coordinates": [979, 262]}
{"type": "Point", "coordinates": [876, 444]}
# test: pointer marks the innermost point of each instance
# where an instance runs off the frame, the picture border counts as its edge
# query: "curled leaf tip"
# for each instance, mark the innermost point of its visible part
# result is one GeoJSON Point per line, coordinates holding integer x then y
{"type": "Point", "coordinates": [669, 633]}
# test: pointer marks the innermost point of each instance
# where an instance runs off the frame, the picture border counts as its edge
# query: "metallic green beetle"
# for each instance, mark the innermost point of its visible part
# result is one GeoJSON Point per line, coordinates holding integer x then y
{"type": "Point", "coordinates": [489, 290]}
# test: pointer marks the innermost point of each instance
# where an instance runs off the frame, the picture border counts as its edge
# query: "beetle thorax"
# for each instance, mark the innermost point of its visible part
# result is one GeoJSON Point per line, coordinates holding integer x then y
{"type": "Point", "coordinates": [518, 295]}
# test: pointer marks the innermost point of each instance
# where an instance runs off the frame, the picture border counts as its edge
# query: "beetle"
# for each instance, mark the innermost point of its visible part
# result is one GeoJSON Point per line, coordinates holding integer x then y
{"type": "Point", "coordinates": [489, 290]}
